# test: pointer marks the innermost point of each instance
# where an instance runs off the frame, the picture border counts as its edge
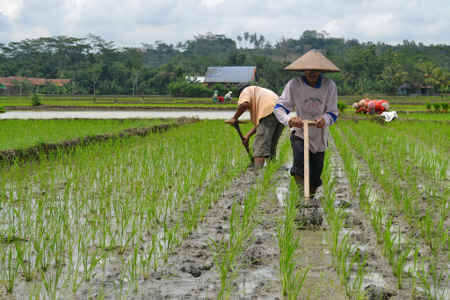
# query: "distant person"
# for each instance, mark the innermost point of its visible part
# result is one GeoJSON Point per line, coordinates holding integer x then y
{"type": "Point", "coordinates": [368, 106]}
{"type": "Point", "coordinates": [361, 106]}
{"type": "Point", "coordinates": [228, 96]}
{"type": "Point", "coordinates": [215, 96]}
{"type": "Point", "coordinates": [260, 103]}
{"type": "Point", "coordinates": [314, 98]}
{"type": "Point", "coordinates": [377, 106]}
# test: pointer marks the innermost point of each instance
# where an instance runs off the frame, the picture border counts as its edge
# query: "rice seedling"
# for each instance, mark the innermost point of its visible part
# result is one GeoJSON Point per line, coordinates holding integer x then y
{"type": "Point", "coordinates": [345, 256]}
{"type": "Point", "coordinates": [102, 207]}
{"type": "Point", "coordinates": [20, 134]}
{"type": "Point", "coordinates": [292, 279]}
{"type": "Point", "coordinates": [407, 198]}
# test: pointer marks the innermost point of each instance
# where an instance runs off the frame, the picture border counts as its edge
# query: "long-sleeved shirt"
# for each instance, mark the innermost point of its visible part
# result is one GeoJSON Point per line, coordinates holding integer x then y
{"type": "Point", "coordinates": [261, 100]}
{"type": "Point", "coordinates": [309, 103]}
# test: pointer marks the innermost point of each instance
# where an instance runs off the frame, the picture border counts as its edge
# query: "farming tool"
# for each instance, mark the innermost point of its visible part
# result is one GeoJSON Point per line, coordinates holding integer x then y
{"type": "Point", "coordinates": [238, 129]}
{"type": "Point", "coordinates": [310, 214]}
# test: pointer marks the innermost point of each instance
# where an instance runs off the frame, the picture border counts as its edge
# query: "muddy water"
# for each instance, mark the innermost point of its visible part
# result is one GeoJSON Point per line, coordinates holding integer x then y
{"type": "Point", "coordinates": [204, 114]}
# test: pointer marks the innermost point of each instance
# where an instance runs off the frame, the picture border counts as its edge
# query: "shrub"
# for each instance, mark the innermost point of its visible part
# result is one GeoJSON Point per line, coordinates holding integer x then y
{"type": "Point", "coordinates": [437, 106]}
{"type": "Point", "coordinates": [444, 107]}
{"type": "Point", "coordinates": [341, 107]}
{"type": "Point", "coordinates": [2, 110]}
{"type": "Point", "coordinates": [222, 89]}
{"type": "Point", "coordinates": [35, 100]}
{"type": "Point", "coordinates": [182, 88]}
{"type": "Point", "coordinates": [428, 106]}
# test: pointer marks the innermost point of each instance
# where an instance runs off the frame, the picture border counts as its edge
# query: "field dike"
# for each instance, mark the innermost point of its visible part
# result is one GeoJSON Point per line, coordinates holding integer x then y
{"type": "Point", "coordinates": [35, 152]}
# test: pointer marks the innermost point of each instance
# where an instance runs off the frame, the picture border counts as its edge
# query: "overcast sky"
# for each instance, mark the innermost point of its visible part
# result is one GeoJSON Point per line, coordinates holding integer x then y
{"type": "Point", "coordinates": [133, 22]}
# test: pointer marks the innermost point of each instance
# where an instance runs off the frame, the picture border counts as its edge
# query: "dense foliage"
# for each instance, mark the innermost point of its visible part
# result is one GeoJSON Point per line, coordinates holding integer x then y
{"type": "Point", "coordinates": [99, 67]}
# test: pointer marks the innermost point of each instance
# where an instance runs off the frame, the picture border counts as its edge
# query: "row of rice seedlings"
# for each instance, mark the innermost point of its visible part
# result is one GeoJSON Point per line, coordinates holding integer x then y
{"type": "Point", "coordinates": [428, 155]}
{"type": "Point", "coordinates": [407, 200]}
{"type": "Point", "coordinates": [243, 219]}
{"type": "Point", "coordinates": [19, 134]}
{"type": "Point", "coordinates": [433, 134]}
{"type": "Point", "coordinates": [291, 276]}
{"type": "Point", "coordinates": [396, 248]}
{"type": "Point", "coordinates": [345, 256]}
{"type": "Point", "coordinates": [78, 213]}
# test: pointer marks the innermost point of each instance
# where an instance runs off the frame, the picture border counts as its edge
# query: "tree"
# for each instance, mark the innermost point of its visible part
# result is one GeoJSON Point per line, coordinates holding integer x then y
{"type": "Point", "coordinates": [392, 76]}
{"type": "Point", "coordinates": [94, 73]}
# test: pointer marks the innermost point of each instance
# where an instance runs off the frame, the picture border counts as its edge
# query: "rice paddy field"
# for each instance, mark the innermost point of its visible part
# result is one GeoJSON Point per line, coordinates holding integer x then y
{"type": "Point", "coordinates": [20, 134]}
{"type": "Point", "coordinates": [399, 103]}
{"type": "Point", "coordinates": [179, 214]}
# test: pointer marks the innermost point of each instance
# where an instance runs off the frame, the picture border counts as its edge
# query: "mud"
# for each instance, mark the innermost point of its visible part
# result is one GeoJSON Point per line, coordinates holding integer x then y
{"type": "Point", "coordinates": [35, 152]}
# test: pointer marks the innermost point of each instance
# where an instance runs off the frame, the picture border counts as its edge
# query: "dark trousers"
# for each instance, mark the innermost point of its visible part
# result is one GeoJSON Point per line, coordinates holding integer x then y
{"type": "Point", "coordinates": [315, 163]}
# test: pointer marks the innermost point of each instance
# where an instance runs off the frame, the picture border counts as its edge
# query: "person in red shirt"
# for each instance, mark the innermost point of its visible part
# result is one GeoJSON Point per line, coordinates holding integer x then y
{"type": "Point", "coordinates": [367, 106]}
{"type": "Point", "coordinates": [377, 106]}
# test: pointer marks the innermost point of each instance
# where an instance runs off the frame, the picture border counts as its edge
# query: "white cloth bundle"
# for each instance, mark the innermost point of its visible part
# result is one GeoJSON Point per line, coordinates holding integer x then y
{"type": "Point", "coordinates": [389, 115]}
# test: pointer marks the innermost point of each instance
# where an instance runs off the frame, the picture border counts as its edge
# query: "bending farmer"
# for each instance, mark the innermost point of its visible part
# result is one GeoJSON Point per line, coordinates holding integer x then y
{"type": "Point", "coordinates": [313, 97]}
{"type": "Point", "coordinates": [260, 103]}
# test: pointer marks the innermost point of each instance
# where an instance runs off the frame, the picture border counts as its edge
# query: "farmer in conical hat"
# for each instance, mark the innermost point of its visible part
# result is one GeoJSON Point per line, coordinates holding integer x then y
{"type": "Point", "coordinates": [259, 102]}
{"type": "Point", "coordinates": [313, 97]}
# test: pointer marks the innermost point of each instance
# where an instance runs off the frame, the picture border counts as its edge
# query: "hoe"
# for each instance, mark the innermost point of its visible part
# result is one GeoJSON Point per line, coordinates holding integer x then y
{"type": "Point", "coordinates": [238, 129]}
{"type": "Point", "coordinates": [308, 215]}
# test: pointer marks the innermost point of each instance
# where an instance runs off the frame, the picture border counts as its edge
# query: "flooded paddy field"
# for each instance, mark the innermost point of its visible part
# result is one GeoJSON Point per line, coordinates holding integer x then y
{"type": "Point", "coordinates": [180, 214]}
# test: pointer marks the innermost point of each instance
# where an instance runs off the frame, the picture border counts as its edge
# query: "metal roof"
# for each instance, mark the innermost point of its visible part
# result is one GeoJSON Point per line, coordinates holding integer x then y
{"type": "Point", "coordinates": [230, 74]}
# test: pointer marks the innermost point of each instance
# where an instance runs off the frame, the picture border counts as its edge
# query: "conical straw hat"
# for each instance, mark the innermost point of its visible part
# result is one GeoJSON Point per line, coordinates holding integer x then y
{"type": "Point", "coordinates": [313, 60]}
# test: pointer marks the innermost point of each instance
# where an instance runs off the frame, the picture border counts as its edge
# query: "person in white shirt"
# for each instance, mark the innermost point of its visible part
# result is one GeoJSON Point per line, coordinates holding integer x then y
{"type": "Point", "coordinates": [312, 97]}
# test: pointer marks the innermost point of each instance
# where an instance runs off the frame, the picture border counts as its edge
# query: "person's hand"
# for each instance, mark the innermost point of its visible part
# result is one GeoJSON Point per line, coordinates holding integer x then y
{"type": "Point", "coordinates": [245, 140]}
{"type": "Point", "coordinates": [320, 123]}
{"type": "Point", "coordinates": [295, 122]}
{"type": "Point", "coordinates": [231, 121]}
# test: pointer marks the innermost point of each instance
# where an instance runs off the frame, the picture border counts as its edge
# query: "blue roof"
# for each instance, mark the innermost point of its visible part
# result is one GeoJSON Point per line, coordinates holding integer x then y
{"type": "Point", "coordinates": [230, 74]}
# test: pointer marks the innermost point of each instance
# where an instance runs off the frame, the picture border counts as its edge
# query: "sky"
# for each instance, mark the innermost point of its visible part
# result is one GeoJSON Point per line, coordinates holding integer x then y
{"type": "Point", "coordinates": [130, 23]}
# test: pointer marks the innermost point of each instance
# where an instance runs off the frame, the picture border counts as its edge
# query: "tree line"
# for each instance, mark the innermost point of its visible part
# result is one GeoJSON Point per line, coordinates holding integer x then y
{"type": "Point", "coordinates": [97, 66]}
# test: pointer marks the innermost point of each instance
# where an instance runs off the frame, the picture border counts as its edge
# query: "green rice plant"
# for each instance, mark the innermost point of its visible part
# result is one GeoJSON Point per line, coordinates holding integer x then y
{"type": "Point", "coordinates": [242, 223]}
{"type": "Point", "coordinates": [345, 258]}
{"type": "Point", "coordinates": [406, 199]}
{"type": "Point", "coordinates": [24, 259]}
{"type": "Point", "coordinates": [377, 221]}
{"type": "Point", "coordinates": [51, 282]}
{"type": "Point", "coordinates": [433, 281]}
{"type": "Point", "coordinates": [11, 270]}
{"type": "Point", "coordinates": [20, 134]}
{"type": "Point", "coordinates": [388, 242]}
{"type": "Point", "coordinates": [292, 279]}
{"type": "Point", "coordinates": [133, 274]}
{"type": "Point", "coordinates": [399, 263]}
